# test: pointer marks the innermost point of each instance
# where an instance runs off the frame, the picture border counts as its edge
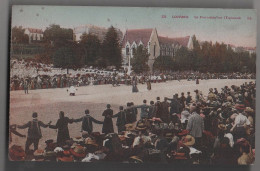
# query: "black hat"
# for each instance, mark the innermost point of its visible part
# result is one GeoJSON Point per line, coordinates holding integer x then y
{"type": "Point", "coordinates": [35, 114]}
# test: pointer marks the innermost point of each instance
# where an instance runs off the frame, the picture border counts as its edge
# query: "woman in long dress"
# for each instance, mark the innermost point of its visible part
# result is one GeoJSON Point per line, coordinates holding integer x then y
{"type": "Point", "coordinates": [108, 123]}
{"type": "Point", "coordinates": [63, 130]}
{"type": "Point", "coordinates": [134, 84]}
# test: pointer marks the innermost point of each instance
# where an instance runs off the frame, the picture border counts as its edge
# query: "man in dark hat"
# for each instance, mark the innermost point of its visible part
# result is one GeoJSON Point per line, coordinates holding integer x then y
{"type": "Point", "coordinates": [34, 131]}
{"type": "Point", "coordinates": [121, 119]}
{"type": "Point", "coordinates": [108, 123]}
{"type": "Point", "coordinates": [87, 120]}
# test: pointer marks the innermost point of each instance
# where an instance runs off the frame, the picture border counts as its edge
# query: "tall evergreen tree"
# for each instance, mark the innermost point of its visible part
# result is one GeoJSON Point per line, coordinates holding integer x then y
{"type": "Point", "coordinates": [91, 46]}
{"type": "Point", "coordinates": [111, 49]}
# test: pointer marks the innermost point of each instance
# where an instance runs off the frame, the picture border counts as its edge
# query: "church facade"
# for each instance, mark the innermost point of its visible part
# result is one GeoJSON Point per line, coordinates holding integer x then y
{"type": "Point", "coordinates": [155, 44]}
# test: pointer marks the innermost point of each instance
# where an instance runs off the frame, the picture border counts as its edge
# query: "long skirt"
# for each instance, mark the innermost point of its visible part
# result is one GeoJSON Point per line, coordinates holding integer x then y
{"type": "Point", "coordinates": [134, 89]}
{"type": "Point", "coordinates": [149, 86]}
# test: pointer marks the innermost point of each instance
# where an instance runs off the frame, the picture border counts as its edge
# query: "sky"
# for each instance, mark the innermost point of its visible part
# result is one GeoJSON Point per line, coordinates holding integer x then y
{"type": "Point", "coordinates": [211, 24]}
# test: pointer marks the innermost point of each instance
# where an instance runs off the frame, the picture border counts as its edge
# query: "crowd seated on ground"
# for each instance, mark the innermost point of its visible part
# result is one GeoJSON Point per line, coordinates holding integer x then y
{"type": "Point", "coordinates": [217, 128]}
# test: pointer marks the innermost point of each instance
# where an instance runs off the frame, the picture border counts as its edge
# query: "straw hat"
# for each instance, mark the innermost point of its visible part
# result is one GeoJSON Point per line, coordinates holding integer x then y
{"type": "Point", "coordinates": [135, 159]}
{"type": "Point", "coordinates": [229, 98]}
{"type": "Point", "coordinates": [89, 141]}
{"type": "Point", "coordinates": [140, 127]}
{"type": "Point", "coordinates": [222, 127]}
{"type": "Point", "coordinates": [78, 151]}
{"type": "Point", "coordinates": [129, 127]}
{"type": "Point", "coordinates": [188, 140]}
{"type": "Point", "coordinates": [249, 109]}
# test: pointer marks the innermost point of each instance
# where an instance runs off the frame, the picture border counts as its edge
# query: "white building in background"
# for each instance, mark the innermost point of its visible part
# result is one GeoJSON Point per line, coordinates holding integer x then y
{"type": "Point", "coordinates": [34, 34]}
{"type": "Point", "coordinates": [250, 50]}
{"type": "Point", "coordinates": [100, 32]}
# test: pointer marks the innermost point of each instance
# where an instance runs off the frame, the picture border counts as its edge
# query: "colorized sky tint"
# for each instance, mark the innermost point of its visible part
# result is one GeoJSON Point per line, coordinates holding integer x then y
{"type": "Point", "coordinates": [239, 32]}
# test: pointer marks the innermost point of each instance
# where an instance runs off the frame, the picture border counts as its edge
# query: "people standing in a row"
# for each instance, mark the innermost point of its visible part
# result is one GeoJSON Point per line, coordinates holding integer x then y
{"type": "Point", "coordinates": [34, 131]}
{"type": "Point", "coordinates": [87, 125]}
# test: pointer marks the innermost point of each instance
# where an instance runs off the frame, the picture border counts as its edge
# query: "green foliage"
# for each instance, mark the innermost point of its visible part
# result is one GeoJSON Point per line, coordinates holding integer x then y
{"type": "Point", "coordinates": [218, 57]}
{"type": "Point", "coordinates": [184, 59]}
{"type": "Point", "coordinates": [18, 35]}
{"type": "Point", "coordinates": [111, 49]}
{"type": "Point", "coordinates": [140, 59]}
{"type": "Point", "coordinates": [92, 49]}
{"type": "Point", "coordinates": [57, 35]}
{"type": "Point", "coordinates": [163, 63]}
{"type": "Point", "coordinates": [68, 57]}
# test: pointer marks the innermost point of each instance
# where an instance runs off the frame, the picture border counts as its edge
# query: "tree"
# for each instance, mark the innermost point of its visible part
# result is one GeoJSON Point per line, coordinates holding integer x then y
{"type": "Point", "coordinates": [140, 59]}
{"type": "Point", "coordinates": [68, 57]}
{"type": "Point", "coordinates": [18, 35]}
{"type": "Point", "coordinates": [57, 35]}
{"type": "Point", "coordinates": [163, 63]}
{"type": "Point", "coordinates": [111, 49]}
{"type": "Point", "coordinates": [91, 46]}
{"type": "Point", "coordinates": [183, 59]}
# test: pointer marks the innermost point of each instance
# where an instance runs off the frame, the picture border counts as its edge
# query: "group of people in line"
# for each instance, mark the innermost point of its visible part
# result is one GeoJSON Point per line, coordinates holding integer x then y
{"type": "Point", "coordinates": [217, 128]}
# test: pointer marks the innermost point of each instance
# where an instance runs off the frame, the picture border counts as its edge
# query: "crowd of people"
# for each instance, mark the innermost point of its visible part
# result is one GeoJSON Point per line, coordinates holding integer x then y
{"type": "Point", "coordinates": [217, 128]}
{"type": "Point", "coordinates": [67, 80]}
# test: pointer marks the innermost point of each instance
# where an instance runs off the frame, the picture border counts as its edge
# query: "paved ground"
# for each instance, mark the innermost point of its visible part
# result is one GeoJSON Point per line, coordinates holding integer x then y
{"type": "Point", "coordinates": [48, 102]}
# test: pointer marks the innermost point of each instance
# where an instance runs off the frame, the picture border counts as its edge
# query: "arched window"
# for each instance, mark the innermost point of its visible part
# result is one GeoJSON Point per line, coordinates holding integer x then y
{"type": "Point", "coordinates": [154, 49]}
{"type": "Point", "coordinates": [127, 50]}
{"type": "Point", "coordinates": [133, 50]}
